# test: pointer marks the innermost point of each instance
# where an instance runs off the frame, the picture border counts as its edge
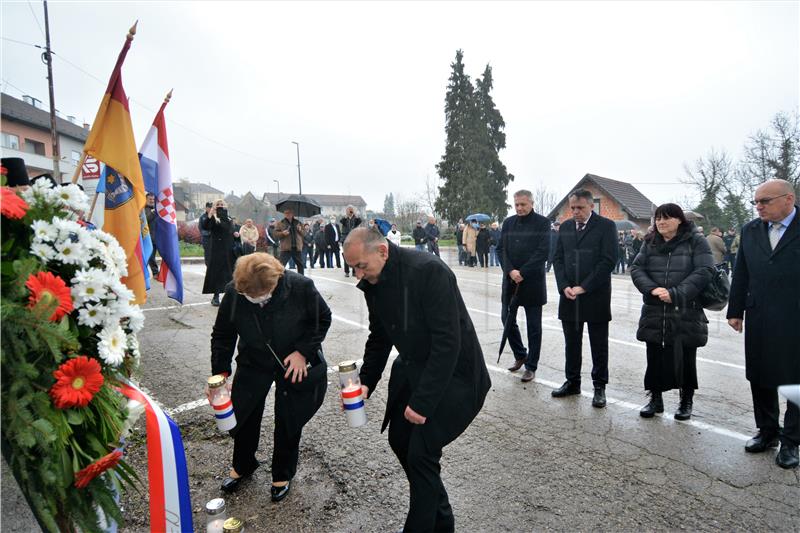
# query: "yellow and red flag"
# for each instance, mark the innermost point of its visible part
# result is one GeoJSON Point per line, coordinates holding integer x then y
{"type": "Point", "coordinates": [111, 141]}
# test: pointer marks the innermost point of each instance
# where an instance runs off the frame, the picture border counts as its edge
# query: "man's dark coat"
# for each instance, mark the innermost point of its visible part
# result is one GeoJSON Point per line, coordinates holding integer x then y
{"type": "Point", "coordinates": [220, 260]}
{"type": "Point", "coordinates": [524, 245]}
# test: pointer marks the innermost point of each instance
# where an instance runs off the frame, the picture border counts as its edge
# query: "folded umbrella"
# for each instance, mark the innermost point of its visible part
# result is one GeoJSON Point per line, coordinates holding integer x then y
{"type": "Point", "coordinates": [513, 305]}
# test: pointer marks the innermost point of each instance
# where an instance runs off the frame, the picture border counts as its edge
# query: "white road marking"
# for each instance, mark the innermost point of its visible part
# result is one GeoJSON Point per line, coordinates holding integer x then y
{"type": "Point", "coordinates": [175, 306]}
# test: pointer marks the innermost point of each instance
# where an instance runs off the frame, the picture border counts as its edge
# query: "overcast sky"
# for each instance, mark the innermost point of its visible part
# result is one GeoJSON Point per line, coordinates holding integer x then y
{"type": "Point", "coordinates": [629, 91]}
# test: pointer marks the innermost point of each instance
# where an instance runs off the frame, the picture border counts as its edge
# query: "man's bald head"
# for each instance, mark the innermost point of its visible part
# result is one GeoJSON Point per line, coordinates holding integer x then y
{"type": "Point", "coordinates": [370, 238]}
{"type": "Point", "coordinates": [366, 251]}
{"type": "Point", "coordinates": [774, 200]}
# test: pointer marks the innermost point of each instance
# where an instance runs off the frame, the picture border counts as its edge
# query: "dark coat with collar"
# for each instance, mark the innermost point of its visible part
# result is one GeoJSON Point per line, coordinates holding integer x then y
{"type": "Point", "coordinates": [333, 236]}
{"type": "Point", "coordinates": [524, 245]}
{"type": "Point", "coordinates": [440, 373]}
{"type": "Point", "coordinates": [586, 260]}
{"type": "Point", "coordinates": [765, 291]}
{"type": "Point", "coordinates": [295, 318]}
{"type": "Point", "coordinates": [221, 259]}
{"type": "Point", "coordinates": [684, 266]}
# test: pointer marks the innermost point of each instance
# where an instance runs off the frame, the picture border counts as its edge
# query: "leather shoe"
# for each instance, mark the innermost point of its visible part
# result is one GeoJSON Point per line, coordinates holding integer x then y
{"type": "Point", "coordinates": [787, 456]}
{"type": "Point", "coordinates": [231, 484]}
{"type": "Point", "coordinates": [215, 301]}
{"type": "Point", "coordinates": [527, 376]}
{"type": "Point", "coordinates": [761, 442]}
{"type": "Point", "coordinates": [599, 399]}
{"type": "Point", "coordinates": [279, 493]}
{"type": "Point", "coordinates": [517, 365]}
{"type": "Point", "coordinates": [567, 389]}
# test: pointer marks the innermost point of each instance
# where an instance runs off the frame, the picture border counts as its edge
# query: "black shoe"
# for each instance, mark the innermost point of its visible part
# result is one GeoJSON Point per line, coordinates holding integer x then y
{"type": "Point", "coordinates": [347, 274]}
{"type": "Point", "coordinates": [231, 484]}
{"type": "Point", "coordinates": [684, 411]}
{"type": "Point", "coordinates": [761, 442]}
{"type": "Point", "coordinates": [599, 399]}
{"type": "Point", "coordinates": [215, 301]}
{"type": "Point", "coordinates": [528, 375]}
{"type": "Point", "coordinates": [517, 364]}
{"type": "Point", "coordinates": [279, 493]}
{"type": "Point", "coordinates": [567, 389]}
{"type": "Point", "coordinates": [787, 456]}
{"type": "Point", "coordinates": [655, 405]}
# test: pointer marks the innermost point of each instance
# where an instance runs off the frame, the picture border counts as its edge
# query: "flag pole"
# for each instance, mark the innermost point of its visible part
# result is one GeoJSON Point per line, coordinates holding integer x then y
{"type": "Point", "coordinates": [91, 209]}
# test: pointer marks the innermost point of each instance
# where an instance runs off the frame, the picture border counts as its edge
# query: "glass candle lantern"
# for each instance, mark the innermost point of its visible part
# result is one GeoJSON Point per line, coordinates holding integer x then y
{"type": "Point", "coordinates": [220, 400]}
{"type": "Point", "coordinates": [215, 515]}
{"type": "Point", "coordinates": [352, 396]}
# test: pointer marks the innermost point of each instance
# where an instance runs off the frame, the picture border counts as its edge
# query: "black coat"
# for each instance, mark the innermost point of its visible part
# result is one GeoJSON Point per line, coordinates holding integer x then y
{"type": "Point", "coordinates": [348, 224]}
{"type": "Point", "coordinates": [684, 266]}
{"type": "Point", "coordinates": [221, 259]}
{"type": "Point", "coordinates": [295, 318]}
{"type": "Point", "coordinates": [483, 241]}
{"type": "Point", "coordinates": [586, 261]}
{"type": "Point", "coordinates": [524, 245]}
{"type": "Point", "coordinates": [420, 237]}
{"type": "Point", "coordinates": [765, 291]}
{"type": "Point", "coordinates": [320, 241]}
{"type": "Point", "coordinates": [441, 373]}
{"type": "Point", "coordinates": [331, 239]}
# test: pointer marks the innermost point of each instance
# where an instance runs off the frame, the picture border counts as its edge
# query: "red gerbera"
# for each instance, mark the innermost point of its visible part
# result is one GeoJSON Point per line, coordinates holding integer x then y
{"type": "Point", "coordinates": [46, 286]}
{"type": "Point", "coordinates": [77, 381]}
{"type": "Point", "coordinates": [83, 477]}
{"type": "Point", "coordinates": [11, 205]}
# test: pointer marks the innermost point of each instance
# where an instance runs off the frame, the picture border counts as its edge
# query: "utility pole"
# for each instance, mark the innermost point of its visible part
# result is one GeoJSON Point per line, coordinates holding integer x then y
{"type": "Point", "coordinates": [47, 57]}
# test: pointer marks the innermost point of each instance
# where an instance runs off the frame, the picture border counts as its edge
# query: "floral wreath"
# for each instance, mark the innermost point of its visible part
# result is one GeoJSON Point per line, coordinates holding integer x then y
{"type": "Point", "coordinates": [68, 338]}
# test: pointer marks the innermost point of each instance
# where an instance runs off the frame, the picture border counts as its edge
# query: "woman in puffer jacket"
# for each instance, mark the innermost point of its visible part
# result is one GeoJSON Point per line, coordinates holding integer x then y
{"type": "Point", "coordinates": [671, 270]}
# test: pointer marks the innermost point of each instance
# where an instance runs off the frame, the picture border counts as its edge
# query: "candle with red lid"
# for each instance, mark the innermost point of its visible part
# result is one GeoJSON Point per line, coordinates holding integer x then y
{"type": "Point", "coordinates": [220, 400]}
{"type": "Point", "coordinates": [352, 397]}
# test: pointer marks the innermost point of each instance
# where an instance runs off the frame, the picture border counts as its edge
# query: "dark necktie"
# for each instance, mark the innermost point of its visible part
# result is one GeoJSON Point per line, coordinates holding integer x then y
{"type": "Point", "coordinates": [581, 225]}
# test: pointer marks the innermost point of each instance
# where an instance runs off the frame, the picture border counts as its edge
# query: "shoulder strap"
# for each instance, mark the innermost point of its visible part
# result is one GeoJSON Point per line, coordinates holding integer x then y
{"type": "Point", "coordinates": [266, 344]}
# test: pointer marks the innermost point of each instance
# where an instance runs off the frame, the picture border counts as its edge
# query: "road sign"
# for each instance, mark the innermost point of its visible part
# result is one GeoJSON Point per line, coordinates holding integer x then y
{"type": "Point", "coordinates": [91, 168]}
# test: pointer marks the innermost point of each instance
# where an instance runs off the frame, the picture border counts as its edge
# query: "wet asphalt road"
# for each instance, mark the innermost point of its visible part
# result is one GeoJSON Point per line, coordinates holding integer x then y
{"type": "Point", "coordinates": [528, 462]}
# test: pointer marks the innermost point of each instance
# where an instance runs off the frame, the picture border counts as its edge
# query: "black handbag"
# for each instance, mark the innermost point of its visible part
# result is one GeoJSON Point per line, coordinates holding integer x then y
{"type": "Point", "coordinates": [715, 296]}
{"type": "Point", "coordinates": [316, 371]}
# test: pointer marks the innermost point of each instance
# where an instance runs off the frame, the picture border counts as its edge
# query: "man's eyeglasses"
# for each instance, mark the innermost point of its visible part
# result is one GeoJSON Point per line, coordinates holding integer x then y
{"type": "Point", "coordinates": [765, 201]}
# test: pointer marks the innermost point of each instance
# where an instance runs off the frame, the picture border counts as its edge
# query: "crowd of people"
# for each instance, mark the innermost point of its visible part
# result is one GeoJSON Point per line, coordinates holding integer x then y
{"type": "Point", "coordinates": [439, 380]}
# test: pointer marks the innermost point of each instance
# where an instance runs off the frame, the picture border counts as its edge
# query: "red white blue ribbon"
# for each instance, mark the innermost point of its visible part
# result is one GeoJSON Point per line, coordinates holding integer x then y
{"type": "Point", "coordinates": [170, 503]}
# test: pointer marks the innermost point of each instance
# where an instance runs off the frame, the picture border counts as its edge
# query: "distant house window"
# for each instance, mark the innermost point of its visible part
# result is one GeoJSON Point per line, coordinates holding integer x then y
{"type": "Point", "coordinates": [597, 205]}
{"type": "Point", "coordinates": [10, 141]}
{"type": "Point", "coordinates": [76, 157]}
{"type": "Point", "coordinates": [34, 147]}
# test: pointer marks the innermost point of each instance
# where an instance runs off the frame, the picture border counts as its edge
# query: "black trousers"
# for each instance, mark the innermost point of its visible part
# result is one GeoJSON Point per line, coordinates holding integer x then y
{"type": "Point", "coordinates": [766, 410]}
{"type": "Point", "coordinates": [319, 252]}
{"type": "Point", "coordinates": [483, 258]}
{"type": "Point", "coordinates": [151, 261]}
{"type": "Point", "coordinates": [294, 254]}
{"type": "Point", "coordinates": [330, 254]}
{"type": "Point", "coordinates": [285, 447]}
{"type": "Point", "coordinates": [665, 372]}
{"type": "Point", "coordinates": [598, 340]}
{"type": "Point", "coordinates": [533, 320]}
{"type": "Point", "coordinates": [429, 507]}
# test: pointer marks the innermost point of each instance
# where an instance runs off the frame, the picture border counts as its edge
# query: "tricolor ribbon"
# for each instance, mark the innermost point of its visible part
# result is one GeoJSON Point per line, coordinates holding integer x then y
{"type": "Point", "coordinates": [352, 399]}
{"type": "Point", "coordinates": [170, 504]}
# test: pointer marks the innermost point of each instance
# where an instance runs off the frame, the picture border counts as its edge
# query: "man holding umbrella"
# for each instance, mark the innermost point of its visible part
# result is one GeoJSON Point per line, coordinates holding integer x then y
{"type": "Point", "coordinates": [522, 250]}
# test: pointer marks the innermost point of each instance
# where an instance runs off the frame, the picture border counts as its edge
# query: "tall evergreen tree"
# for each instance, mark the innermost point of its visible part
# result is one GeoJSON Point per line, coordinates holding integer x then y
{"type": "Point", "coordinates": [473, 177]}
{"type": "Point", "coordinates": [388, 205]}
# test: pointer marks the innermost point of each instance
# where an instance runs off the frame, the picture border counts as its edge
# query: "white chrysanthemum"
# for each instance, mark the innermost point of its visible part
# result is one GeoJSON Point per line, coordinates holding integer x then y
{"type": "Point", "coordinates": [124, 294]}
{"type": "Point", "coordinates": [73, 197]}
{"type": "Point", "coordinates": [89, 290]}
{"type": "Point", "coordinates": [112, 345]}
{"type": "Point", "coordinates": [43, 251]}
{"type": "Point", "coordinates": [44, 231]}
{"type": "Point", "coordinates": [92, 315]}
{"type": "Point", "coordinates": [134, 316]}
{"type": "Point", "coordinates": [70, 253]}
{"type": "Point", "coordinates": [133, 347]}
{"type": "Point", "coordinates": [39, 193]}
{"type": "Point", "coordinates": [67, 228]}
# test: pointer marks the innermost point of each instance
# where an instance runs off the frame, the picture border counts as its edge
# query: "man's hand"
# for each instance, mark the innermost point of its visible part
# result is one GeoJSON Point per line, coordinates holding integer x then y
{"type": "Point", "coordinates": [414, 417]}
{"type": "Point", "coordinates": [568, 292]}
{"type": "Point", "coordinates": [577, 291]}
{"type": "Point", "coordinates": [515, 276]}
{"type": "Point", "coordinates": [736, 323]}
{"type": "Point", "coordinates": [295, 365]}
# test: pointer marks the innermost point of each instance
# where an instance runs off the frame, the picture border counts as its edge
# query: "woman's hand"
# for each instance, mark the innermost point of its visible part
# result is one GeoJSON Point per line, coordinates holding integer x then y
{"type": "Point", "coordinates": [295, 365]}
{"type": "Point", "coordinates": [662, 294]}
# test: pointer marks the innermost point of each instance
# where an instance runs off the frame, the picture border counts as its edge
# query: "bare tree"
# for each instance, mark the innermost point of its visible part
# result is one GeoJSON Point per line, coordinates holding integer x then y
{"type": "Point", "coordinates": [710, 176]}
{"type": "Point", "coordinates": [773, 154]}
{"type": "Point", "coordinates": [407, 213]}
{"type": "Point", "coordinates": [544, 199]}
{"type": "Point", "coordinates": [427, 199]}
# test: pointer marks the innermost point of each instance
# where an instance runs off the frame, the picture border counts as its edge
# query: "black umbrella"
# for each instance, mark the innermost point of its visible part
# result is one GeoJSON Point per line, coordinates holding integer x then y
{"type": "Point", "coordinates": [513, 305]}
{"type": "Point", "coordinates": [625, 225]}
{"type": "Point", "coordinates": [300, 204]}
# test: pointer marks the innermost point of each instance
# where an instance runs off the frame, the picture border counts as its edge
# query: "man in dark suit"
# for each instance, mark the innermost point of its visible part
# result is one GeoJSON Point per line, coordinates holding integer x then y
{"type": "Point", "coordinates": [765, 302]}
{"type": "Point", "coordinates": [522, 249]}
{"type": "Point", "coordinates": [586, 252]}
{"type": "Point", "coordinates": [438, 382]}
{"type": "Point", "coordinates": [349, 222]}
{"type": "Point", "coordinates": [333, 235]}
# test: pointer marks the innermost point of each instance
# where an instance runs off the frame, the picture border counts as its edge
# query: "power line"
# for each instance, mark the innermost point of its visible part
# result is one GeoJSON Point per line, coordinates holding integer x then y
{"type": "Point", "coordinates": [36, 18]}
{"type": "Point", "coordinates": [22, 42]}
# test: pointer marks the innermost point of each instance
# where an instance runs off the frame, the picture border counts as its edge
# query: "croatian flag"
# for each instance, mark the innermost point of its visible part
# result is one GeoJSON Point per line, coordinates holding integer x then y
{"type": "Point", "coordinates": [154, 159]}
{"type": "Point", "coordinates": [170, 504]}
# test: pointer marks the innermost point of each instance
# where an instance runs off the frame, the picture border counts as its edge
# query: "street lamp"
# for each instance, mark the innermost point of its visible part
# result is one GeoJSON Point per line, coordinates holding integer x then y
{"type": "Point", "coordinates": [299, 182]}
{"type": "Point", "coordinates": [278, 183]}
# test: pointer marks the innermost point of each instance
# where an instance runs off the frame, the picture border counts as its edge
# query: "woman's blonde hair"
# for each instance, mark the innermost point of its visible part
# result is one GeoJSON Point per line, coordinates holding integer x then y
{"type": "Point", "coordinates": [257, 274]}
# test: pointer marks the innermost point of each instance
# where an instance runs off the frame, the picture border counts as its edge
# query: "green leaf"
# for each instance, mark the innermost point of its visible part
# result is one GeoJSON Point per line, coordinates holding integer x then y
{"type": "Point", "coordinates": [45, 428]}
{"type": "Point", "coordinates": [75, 417]}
